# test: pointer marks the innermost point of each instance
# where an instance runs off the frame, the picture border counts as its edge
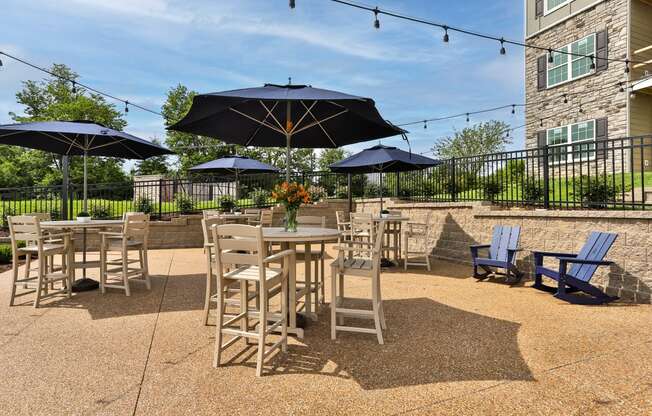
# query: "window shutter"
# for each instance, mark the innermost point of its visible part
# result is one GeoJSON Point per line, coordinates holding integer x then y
{"type": "Point", "coordinates": [601, 137]}
{"type": "Point", "coordinates": [539, 8]}
{"type": "Point", "coordinates": [542, 68]}
{"type": "Point", "coordinates": [601, 46]}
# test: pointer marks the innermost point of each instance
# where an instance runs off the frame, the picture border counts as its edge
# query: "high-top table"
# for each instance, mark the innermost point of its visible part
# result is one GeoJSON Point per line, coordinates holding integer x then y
{"type": "Point", "coordinates": [83, 284]}
{"type": "Point", "coordinates": [288, 240]}
{"type": "Point", "coordinates": [386, 222]}
{"type": "Point", "coordinates": [239, 217]}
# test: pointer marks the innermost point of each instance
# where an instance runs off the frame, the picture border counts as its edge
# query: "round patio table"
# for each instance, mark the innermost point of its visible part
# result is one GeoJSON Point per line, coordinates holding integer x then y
{"type": "Point", "coordinates": [288, 240]}
{"type": "Point", "coordinates": [84, 284]}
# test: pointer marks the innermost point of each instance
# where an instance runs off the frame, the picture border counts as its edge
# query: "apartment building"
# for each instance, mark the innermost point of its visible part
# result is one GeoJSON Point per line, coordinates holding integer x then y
{"type": "Point", "coordinates": [579, 101]}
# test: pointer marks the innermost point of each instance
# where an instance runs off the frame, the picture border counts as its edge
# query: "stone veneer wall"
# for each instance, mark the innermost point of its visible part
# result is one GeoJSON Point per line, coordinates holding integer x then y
{"type": "Point", "coordinates": [455, 226]}
{"type": "Point", "coordinates": [598, 93]}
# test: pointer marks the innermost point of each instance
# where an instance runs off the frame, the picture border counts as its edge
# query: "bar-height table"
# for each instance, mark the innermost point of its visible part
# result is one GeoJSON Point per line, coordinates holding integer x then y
{"type": "Point", "coordinates": [288, 240]}
{"type": "Point", "coordinates": [85, 283]}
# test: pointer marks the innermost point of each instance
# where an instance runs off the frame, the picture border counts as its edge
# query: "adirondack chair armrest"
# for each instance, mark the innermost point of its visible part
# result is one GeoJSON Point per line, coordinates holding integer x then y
{"type": "Point", "coordinates": [582, 261]}
{"type": "Point", "coordinates": [553, 254]}
{"type": "Point", "coordinates": [479, 246]}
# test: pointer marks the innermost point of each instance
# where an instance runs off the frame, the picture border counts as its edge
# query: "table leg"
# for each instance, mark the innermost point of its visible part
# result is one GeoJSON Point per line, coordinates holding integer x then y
{"type": "Point", "coordinates": [292, 295]}
{"type": "Point", "coordinates": [308, 275]}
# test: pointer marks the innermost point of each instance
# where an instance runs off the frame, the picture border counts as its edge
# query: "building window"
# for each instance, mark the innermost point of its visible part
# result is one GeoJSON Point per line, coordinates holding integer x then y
{"type": "Point", "coordinates": [566, 67]}
{"type": "Point", "coordinates": [552, 5]}
{"type": "Point", "coordinates": [572, 143]}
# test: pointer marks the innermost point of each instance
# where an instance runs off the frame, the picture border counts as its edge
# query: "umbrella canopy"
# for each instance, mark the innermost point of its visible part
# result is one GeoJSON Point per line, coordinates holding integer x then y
{"type": "Point", "coordinates": [234, 164]}
{"type": "Point", "coordinates": [381, 159]}
{"type": "Point", "coordinates": [297, 116]}
{"type": "Point", "coordinates": [79, 138]}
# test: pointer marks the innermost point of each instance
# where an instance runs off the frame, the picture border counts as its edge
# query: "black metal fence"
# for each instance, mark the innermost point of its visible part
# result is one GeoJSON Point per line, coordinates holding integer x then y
{"type": "Point", "coordinates": [609, 174]}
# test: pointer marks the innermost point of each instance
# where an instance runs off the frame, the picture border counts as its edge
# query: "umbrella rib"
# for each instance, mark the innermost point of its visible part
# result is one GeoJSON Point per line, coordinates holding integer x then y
{"type": "Point", "coordinates": [270, 113]}
{"type": "Point", "coordinates": [263, 123]}
{"type": "Point", "coordinates": [308, 110]}
{"type": "Point", "coordinates": [319, 123]}
{"type": "Point", "coordinates": [65, 140]}
{"type": "Point", "coordinates": [255, 133]}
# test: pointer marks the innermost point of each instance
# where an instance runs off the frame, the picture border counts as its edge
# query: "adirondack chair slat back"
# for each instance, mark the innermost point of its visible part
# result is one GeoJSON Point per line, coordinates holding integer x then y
{"type": "Point", "coordinates": [505, 239]}
{"type": "Point", "coordinates": [595, 248]}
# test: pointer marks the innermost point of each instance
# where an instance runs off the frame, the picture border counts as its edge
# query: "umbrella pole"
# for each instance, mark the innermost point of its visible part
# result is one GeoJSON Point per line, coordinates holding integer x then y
{"type": "Point", "coordinates": [381, 191]}
{"type": "Point", "coordinates": [237, 187]}
{"type": "Point", "coordinates": [288, 139]}
{"type": "Point", "coordinates": [287, 159]}
{"type": "Point", "coordinates": [85, 182]}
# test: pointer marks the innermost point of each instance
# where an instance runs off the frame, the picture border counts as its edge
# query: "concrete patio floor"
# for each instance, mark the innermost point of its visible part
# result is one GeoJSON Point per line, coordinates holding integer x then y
{"type": "Point", "coordinates": [454, 346]}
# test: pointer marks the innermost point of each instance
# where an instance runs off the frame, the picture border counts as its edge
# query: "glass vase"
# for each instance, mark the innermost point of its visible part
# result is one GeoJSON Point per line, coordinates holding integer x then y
{"type": "Point", "coordinates": [291, 220]}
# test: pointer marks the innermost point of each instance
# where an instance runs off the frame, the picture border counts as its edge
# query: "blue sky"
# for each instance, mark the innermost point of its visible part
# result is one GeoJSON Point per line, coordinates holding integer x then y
{"type": "Point", "coordinates": [139, 49]}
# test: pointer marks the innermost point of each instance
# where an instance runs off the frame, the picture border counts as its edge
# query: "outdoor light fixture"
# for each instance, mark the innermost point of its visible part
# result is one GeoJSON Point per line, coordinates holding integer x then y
{"type": "Point", "coordinates": [627, 66]}
{"type": "Point", "coordinates": [632, 94]}
{"type": "Point", "coordinates": [446, 38]}
{"type": "Point", "coordinates": [126, 106]}
{"type": "Point", "coordinates": [292, 4]}
{"type": "Point", "coordinates": [551, 59]}
{"type": "Point", "coordinates": [622, 89]}
{"type": "Point", "coordinates": [74, 87]}
{"type": "Point", "coordinates": [503, 51]}
{"type": "Point", "coordinates": [376, 21]}
{"type": "Point", "coordinates": [513, 108]}
{"type": "Point", "coordinates": [541, 123]}
{"type": "Point", "coordinates": [467, 117]}
{"type": "Point", "coordinates": [425, 124]}
{"type": "Point", "coordinates": [592, 62]}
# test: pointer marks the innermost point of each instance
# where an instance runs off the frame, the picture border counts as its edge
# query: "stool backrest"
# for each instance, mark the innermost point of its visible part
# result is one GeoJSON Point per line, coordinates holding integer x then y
{"type": "Point", "coordinates": [42, 216]}
{"type": "Point", "coordinates": [266, 217]}
{"type": "Point", "coordinates": [23, 228]}
{"type": "Point", "coordinates": [136, 225]}
{"type": "Point", "coordinates": [239, 244]}
{"type": "Point", "coordinates": [362, 224]}
{"type": "Point", "coordinates": [312, 221]}
{"type": "Point", "coordinates": [206, 225]}
{"type": "Point", "coordinates": [252, 211]}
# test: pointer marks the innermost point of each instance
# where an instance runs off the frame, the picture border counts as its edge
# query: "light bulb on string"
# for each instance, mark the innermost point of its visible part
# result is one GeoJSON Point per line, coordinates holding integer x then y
{"type": "Point", "coordinates": [126, 107]}
{"type": "Point", "coordinates": [425, 124]}
{"type": "Point", "coordinates": [622, 89]}
{"type": "Point", "coordinates": [503, 51]}
{"type": "Point", "coordinates": [627, 66]}
{"type": "Point", "coordinates": [467, 117]}
{"type": "Point", "coordinates": [541, 123]}
{"type": "Point", "coordinates": [551, 59]}
{"type": "Point", "coordinates": [446, 37]}
{"type": "Point", "coordinates": [292, 4]}
{"type": "Point", "coordinates": [74, 87]}
{"type": "Point", "coordinates": [513, 108]}
{"type": "Point", "coordinates": [565, 98]}
{"type": "Point", "coordinates": [376, 21]}
{"type": "Point", "coordinates": [592, 62]}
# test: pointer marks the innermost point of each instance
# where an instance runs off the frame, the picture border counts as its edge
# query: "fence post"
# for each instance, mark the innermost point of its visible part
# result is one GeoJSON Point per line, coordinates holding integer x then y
{"type": "Point", "coordinates": [398, 184]}
{"type": "Point", "coordinates": [349, 192]}
{"type": "Point", "coordinates": [160, 198]}
{"type": "Point", "coordinates": [546, 178]}
{"type": "Point", "coordinates": [64, 187]}
{"type": "Point", "coordinates": [453, 187]}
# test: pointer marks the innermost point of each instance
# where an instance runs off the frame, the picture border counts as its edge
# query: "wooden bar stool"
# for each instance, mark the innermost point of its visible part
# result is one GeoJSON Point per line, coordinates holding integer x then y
{"type": "Point", "coordinates": [417, 233]}
{"type": "Point", "coordinates": [45, 246]}
{"type": "Point", "coordinates": [244, 245]}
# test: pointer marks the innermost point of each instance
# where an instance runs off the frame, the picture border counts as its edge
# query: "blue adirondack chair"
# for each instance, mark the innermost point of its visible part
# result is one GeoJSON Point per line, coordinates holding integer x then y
{"type": "Point", "coordinates": [577, 277]}
{"type": "Point", "coordinates": [502, 254]}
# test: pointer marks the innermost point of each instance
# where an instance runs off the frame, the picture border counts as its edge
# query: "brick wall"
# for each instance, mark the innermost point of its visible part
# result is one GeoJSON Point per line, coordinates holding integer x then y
{"type": "Point", "coordinates": [453, 227]}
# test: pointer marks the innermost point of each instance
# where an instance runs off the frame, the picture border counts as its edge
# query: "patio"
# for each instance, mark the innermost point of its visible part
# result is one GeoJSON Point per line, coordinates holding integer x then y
{"type": "Point", "coordinates": [454, 346]}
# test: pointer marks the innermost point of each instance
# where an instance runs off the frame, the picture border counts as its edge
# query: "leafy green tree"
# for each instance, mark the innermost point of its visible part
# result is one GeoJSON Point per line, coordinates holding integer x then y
{"type": "Point", "coordinates": [329, 156]}
{"type": "Point", "coordinates": [480, 139]}
{"type": "Point", "coordinates": [191, 148]}
{"type": "Point", "coordinates": [156, 165]}
{"type": "Point", "coordinates": [54, 99]}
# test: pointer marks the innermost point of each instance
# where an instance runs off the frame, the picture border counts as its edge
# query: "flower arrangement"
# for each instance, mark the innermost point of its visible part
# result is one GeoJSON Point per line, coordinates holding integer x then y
{"type": "Point", "coordinates": [291, 196]}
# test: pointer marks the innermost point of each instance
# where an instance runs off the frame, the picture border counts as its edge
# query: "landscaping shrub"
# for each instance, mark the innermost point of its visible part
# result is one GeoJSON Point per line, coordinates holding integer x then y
{"type": "Point", "coordinates": [5, 252]}
{"type": "Point", "coordinates": [226, 203]}
{"type": "Point", "coordinates": [595, 192]}
{"type": "Point", "coordinates": [533, 191]}
{"type": "Point", "coordinates": [259, 197]}
{"type": "Point", "coordinates": [184, 203]}
{"type": "Point", "coordinates": [144, 205]}
{"type": "Point", "coordinates": [492, 188]}
{"type": "Point", "coordinates": [317, 193]}
{"type": "Point", "coordinates": [100, 212]}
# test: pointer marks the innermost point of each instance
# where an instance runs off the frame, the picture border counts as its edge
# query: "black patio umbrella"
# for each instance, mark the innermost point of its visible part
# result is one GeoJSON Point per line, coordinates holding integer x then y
{"type": "Point", "coordinates": [79, 138]}
{"type": "Point", "coordinates": [381, 159]}
{"type": "Point", "coordinates": [297, 116]}
{"type": "Point", "coordinates": [236, 165]}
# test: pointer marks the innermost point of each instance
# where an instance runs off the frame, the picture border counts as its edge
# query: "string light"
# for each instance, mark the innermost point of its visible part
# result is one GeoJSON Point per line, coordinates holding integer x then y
{"type": "Point", "coordinates": [592, 62]}
{"type": "Point", "coordinates": [126, 107]}
{"type": "Point", "coordinates": [85, 86]}
{"type": "Point", "coordinates": [74, 87]}
{"type": "Point", "coordinates": [446, 37]}
{"type": "Point", "coordinates": [622, 89]}
{"type": "Point", "coordinates": [376, 21]}
{"type": "Point", "coordinates": [632, 94]}
{"type": "Point", "coordinates": [469, 32]}
{"type": "Point", "coordinates": [292, 4]}
{"type": "Point", "coordinates": [551, 59]}
{"type": "Point", "coordinates": [627, 66]}
{"type": "Point", "coordinates": [425, 124]}
{"type": "Point", "coordinates": [0, 63]}
{"type": "Point", "coordinates": [565, 98]}
{"type": "Point", "coordinates": [541, 123]}
{"type": "Point", "coordinates": [467, 117]}
{"type": "Point", "coordinates": [513, 108]}
{"type": "Point", "coordinates": [503, 51]}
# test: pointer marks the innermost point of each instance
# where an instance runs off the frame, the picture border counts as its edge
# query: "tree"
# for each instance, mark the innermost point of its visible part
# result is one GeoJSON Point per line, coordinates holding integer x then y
{"type": "Point", "coordinates": [191, 148]}
{"type": "Point", "coordinates": [480, 139]}
{"type": "Point", "coordinates": [156, 165]}
{"type": "Point", "coordinates": [329, 156]}
{"type": "Point", "coordinates": [54, 99]}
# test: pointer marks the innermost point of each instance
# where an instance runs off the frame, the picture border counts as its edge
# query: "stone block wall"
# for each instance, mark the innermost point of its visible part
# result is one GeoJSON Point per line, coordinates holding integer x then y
{"type": "Point", "coordinates": [598, 94]}
{"type": "Point", "coordinates": [455, 226]}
